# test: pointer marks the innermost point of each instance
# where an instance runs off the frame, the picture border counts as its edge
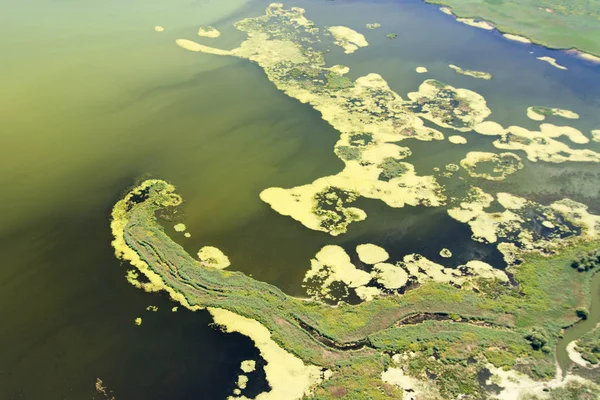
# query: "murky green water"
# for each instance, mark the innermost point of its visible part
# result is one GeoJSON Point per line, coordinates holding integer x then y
{"type": "Point", "coordinates": [582, 327]}
{"type": "Point", "coordinates": [94, 98]}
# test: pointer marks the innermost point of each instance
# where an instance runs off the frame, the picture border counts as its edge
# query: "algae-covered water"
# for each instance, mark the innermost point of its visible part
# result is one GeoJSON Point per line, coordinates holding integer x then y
{"type": "Point", "coordinates": [94, 98]}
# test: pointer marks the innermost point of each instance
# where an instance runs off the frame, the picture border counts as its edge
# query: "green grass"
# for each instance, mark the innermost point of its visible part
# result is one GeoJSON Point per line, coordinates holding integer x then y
{"type": "Point", "coordinates": [573, 24]}
{"type": "Point", "coordinates": [338, 82]}
{"type": "Point", "coordinates": [589, 346]}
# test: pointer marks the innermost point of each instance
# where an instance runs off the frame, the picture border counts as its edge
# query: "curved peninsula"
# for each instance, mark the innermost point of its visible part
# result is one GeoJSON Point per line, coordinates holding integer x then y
{"type": "Point", "coordinates": [504, 325]}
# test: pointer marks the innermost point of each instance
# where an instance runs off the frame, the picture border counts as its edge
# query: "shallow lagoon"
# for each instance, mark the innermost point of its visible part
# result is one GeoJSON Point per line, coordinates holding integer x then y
{"type": "Point", "coordinates": [97, 98]}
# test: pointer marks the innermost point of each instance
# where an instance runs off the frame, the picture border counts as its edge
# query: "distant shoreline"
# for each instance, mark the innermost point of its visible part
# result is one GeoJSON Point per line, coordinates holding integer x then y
{"type": "Point", "coordinates": [574, 51]}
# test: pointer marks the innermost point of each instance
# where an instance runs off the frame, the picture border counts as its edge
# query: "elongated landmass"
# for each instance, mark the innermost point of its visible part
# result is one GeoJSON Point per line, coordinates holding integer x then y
{"type": "Point", "coordinates": [471, 73]}
{"type": "Point", "coordinates": [556, 24]}
{"type": "Point", "coordinates": [502, 324]}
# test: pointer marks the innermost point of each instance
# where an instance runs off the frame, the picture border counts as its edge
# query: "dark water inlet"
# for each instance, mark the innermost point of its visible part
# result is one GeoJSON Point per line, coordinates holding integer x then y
{"type": "Point", "coordinates": [580, 328]}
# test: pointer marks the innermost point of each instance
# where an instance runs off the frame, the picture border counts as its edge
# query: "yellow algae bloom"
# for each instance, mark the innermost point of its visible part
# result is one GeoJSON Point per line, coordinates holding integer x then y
{"type": "Point", "coordinates": [540, 113]}
{"type": "Point", "coordinates": [242, 381]}
{"type": "Point", "coordinates": [287, 375]}
{"type": "Point", "coordinates": [159, 28]}
{"type": "Point", "coordinates": [471, 109]}
{"type": "Point", "coordinates": [573, 134]}
{"type": "Point", "coordinates": [317, 206]}
{"type": "Point", "coordinates": [503, 164]}
{"type": "Point", "coordinates": [187, 235]}
{"type": "Point", "coordinates": [548, 224]}
{"type": "Point", "coordinates": [193, 46]}
{"type": "Point", "coordinates": [152, 308]}
{"type": "Point", "coordinates": [456, 139]}
{"type": "Point", "coordinates": [413, 388]}
{"type": "Point", "coordinates": [517, 38]}
{"type": "Point", "coordinates": [510, 201]}
{"type": "Point", "coordinates": [421, 70]}
{"type": "Point", "coordinates": [540, 145]}
{"type": "Point", "coordinates": [561, 112]}
{"type": "Point", "coordinates": [213, 257]}
{"type": "Point", "coordinates": [477, 24]}
{"type": "Point", "coordinates": [579, 214]}
{"type": "Point", "coordinates": [371, 254]}
{"type": "Point", "coordinates": [471, 73]}
{"type": "Point", "coordinates": [552, 61]}
{"type": "Point", "coordinates": [489, 128]}
{"type": "Point", "coordinates": [348, 39]}
{"type": "Point", "coordinates": [367, 293]}
{"type": "Point", "coordinates": [340, 69]}
{"type": "Point", "coordinates": [445, 253]}
{"type": "Point", "coordinates": [484, 270]}
{"type": "Point", "coordinates": [368, 114]}
{"type": "Point", "coordinates": [532, 114]}
{"type": "Point", "coordinates": [174, 309]}
{"type": "Point", "coordinates": [209, 32]}
{"type": "Point", "coordinates": [374, 25]}
{"type": "Point", "coordinates": [248, 366]}
{"type": "Point", "coordinates": [138, 321]}
{"type": "Point", "coordinates": [517, 222]}
{"type": "Point", "coordinates": [486, 226]}
{"type": "Point", "coordinates": [332, 264]}
{"type": "Point", "coordinates": [423, 270]}
{"type": "Point", "coordinates": [596, 135]}
{"type": "Point", "coordinates": [390, 276]}
{"type": "Point", "coordinates": [376, 173]}
{"type": "Point", "coordinates": [180, 228]}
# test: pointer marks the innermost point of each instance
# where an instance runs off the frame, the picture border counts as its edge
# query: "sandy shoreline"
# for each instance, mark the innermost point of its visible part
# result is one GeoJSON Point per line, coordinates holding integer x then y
{"type": "Point", "coordinates": [482, 23]}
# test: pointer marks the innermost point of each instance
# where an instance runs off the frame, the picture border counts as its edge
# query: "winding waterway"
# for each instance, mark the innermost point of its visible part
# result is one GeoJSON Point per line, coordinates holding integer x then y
{"type": "Point", "coordinates": [580, 328]}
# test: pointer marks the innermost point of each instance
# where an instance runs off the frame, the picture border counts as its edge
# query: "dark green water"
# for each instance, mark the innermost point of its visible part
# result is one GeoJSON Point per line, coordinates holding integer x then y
{"type": "Point", "coordinates": [95, 98]}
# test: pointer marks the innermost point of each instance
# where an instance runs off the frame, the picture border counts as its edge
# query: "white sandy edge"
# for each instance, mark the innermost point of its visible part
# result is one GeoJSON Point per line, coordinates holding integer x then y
{"type": "Point", "coordinates": [412, 387]}
{"type": "Point", "coordinates": [552, 61]}
{"type": "Point", "coordinates": [477, 23]}
{"type": "Point", "coordinates": [287, 375]}
{"type": "Point", "coordinates": [516, 384]}
{"type": "Point", "coordinates": [577, 53]}
{"type": "Point", "coordinates": [517, 38]}
{"type": "Point", "coordinates": [584, 55]}
{"type": "Point", "coordinates": [575, 356]}
{"type": "Point", "coordinates": [531, 114]}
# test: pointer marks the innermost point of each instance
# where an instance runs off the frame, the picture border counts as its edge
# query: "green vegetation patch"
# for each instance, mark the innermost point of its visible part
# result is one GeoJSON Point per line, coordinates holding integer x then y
{"type": "Point", "coordinates": [589, 346]}
{"type": "Point", "coordinates": [587, 261]}
{"type": "Point", "coordinates": [338, 82]}
{"type": "Point", "coordinates": [553, 23]}
{"type": "Point", "coordinates": [503, 324]}
{"type": "Point", "coordinates": [348, 153]}
{"type": "Point", "coordinates": [392, 168]}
